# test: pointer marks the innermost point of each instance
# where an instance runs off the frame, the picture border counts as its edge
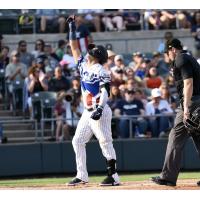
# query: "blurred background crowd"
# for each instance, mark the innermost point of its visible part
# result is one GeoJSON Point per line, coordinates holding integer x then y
{"type": "Point", "coordinates": [143, 96]}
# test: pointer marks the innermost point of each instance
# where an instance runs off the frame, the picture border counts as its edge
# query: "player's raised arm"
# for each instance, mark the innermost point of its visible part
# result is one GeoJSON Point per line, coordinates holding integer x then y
{"type": "Point", "coordinates": [72, 38]}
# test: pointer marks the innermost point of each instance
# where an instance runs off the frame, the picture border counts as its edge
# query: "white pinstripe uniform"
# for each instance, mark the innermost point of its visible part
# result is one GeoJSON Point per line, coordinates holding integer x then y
{"type": "Point", "coordinates": [91, 80]}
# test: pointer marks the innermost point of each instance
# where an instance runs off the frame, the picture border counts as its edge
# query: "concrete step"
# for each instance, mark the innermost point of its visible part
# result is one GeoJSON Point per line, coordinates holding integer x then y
{"type": "Point", "coordinates": [27, 140]}
{"type": "Point", "coordinates": [6, 113]}
{"type": "Point", "coordinates": [18, 126]}
{"type": "Point", "coordinates": [24, 133]}
{"type": "Point", "coordinates": [6, 118]}
{"type": "Point", "coordinates": [3, 106]}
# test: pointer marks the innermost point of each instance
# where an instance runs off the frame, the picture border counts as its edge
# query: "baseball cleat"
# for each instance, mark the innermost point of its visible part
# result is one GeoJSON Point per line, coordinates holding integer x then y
{"type": "Point", "coordinates": [76, 181]}
{"type": "Point", "coordinates": [161, 181]}
{"type": "Point", "coordinates": [111, 180]}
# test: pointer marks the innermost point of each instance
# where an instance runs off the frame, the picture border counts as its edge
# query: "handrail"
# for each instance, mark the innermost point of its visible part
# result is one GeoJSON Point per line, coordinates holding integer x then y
{"type": "Point", "coordinates": [130, 118]}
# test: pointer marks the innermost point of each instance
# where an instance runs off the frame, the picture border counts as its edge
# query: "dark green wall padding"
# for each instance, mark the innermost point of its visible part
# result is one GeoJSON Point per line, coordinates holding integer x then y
{"type": "Point", "coordinates": [58, 158]}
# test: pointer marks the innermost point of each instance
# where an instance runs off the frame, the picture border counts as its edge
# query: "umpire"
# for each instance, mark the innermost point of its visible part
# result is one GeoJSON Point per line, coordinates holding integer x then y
{"type": "Point", "coordinates": [186, 72]}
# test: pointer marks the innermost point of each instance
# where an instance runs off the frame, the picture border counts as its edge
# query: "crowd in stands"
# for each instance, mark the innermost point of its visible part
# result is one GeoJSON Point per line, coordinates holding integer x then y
{"type": "Point", "coordinates": [142, 87]}
{"type": "Point", "coordinates": [143, 96]}
{"type": "Point", "coordinates": [97, 20]}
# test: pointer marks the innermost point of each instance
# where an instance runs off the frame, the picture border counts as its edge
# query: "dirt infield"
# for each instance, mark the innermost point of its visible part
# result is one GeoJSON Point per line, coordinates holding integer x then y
{"type": "Point", "coordinates": [187, 184]}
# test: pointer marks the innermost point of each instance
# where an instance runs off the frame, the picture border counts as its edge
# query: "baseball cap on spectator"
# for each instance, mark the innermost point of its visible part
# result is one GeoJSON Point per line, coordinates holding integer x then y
{"type": "Point", "coordinates": [118, 57]}
{"type": "Point", "coordinates": [137, 53]}
{"type": "Point", "coordinates": [156, 53]}
{"type": "Point", "coordinates": [176, 43]}
{"type": "Point", "coordinates": [110, 53]}
{"type": "Point", "coordinates": [155, 93]}
{"type": "Point", "coordinates": [39, 60]}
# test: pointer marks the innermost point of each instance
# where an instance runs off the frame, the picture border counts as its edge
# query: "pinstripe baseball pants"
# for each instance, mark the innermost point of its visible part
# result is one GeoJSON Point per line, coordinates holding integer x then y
{"type": "Point", "coordinates": [85, 129]}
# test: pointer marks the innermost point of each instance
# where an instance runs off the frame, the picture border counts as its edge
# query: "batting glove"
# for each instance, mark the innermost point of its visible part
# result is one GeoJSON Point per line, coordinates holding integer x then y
{"type": "Point", "coordinates": [71, 21]}
{"type": "Point", "coordinates": [96, 115]}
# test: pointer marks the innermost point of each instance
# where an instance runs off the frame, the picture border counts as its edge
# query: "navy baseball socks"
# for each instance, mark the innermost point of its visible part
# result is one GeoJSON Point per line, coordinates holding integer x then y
{"type": "Point", "coordinates": [112, 178]}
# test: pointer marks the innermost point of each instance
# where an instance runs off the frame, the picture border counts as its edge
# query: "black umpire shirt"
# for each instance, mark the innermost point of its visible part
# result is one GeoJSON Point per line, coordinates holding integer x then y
{"type": "Point", "coordinates": [183, 67]}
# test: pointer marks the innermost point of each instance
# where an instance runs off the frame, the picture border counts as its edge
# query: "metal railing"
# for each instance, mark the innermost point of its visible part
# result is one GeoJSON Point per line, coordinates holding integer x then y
{"type": "Point", "coordinates": [130, 118]}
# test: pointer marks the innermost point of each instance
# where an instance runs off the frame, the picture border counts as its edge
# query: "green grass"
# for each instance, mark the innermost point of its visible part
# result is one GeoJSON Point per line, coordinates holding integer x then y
{"type": "Point", "coordinates": [28, 182]}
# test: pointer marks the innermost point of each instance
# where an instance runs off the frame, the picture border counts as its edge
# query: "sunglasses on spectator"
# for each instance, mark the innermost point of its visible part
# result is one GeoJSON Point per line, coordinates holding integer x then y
{"type": "Point", "coordinates": [130, 92]}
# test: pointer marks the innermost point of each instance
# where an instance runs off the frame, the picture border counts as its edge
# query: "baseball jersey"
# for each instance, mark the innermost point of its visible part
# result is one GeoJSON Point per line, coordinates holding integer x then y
{"type": "Point", "coordinates": [92, 78]}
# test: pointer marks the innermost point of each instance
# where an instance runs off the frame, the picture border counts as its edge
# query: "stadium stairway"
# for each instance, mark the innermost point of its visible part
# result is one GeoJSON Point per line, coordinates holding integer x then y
{"type": "Point", "coordinates": [18, 128]}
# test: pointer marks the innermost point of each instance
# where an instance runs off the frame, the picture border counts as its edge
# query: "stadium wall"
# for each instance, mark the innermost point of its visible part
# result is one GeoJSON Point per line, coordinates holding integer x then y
{"type": "Point", "coordinates": [125, 42]}
{"type": "Point", "coordinates": [59, 158]}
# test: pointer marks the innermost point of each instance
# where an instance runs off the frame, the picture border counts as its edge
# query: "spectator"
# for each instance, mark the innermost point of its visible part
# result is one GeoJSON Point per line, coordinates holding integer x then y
{"type": "Point", "coordinates": [60, 51]}
{"type": "Point", "coordinates": [58, 82]}
{"type": "Point", "coordinates": [39, 48]}
{"type": "Point", "coordinates": [92, 17]}
{"type": "Point", "coordinates": [168, 36]}
{"type": "Point", "coordinates": [182, 18]}
{"type": "Point", "coordinates": [74, 110]}
{"type": "Point", "coordinates": [130, 107]}
{"type": "Point", "coordinates": [26, 18]}
{"type": "Point", "coordinates": [15, 73]}
{"type": "Point", "coordinates": [139, 95]}
{"type": "Point", "coordinates": [110, 62]}
{"type": "Point", "coordinates": [4, 58]}
{"type": "Point", "coordinates": [114, 98]}
{"type": "Point", "coordinates": [65, 69]}
{"type": "Point", "coordinates": [50, 16]}
{"type": "Point", "coordinates": [24, 56]}
{"type": "Point", "coordinates": [114, 21]}
{"type": "Point", "coordinates": [51, 58]}
{"type": "Point", "coordinates": [4, 61]}
{"type": "Point", "coordinates": [166, 95]}
{"type": "Point", "coordinates": [161, 66]}
{"type": "Point", "coordinates": [35, 83]}
{"type": "Point", "coordinates": [152, 80]}
{"type": "Point", "coordinates": [119, 65]}
{"type": "Point", "coordinates": [59, 111]}
{"type": "Point", "coordinates": [158, 125]}
{"type": "Point", "coordinates": [195, 29]}
{"type": "Point", "coordinates": [82, 34]}
{"type": "Point", "coordinates": [67, 57]}
{"type": "Point", "coordinates": [159, 19]}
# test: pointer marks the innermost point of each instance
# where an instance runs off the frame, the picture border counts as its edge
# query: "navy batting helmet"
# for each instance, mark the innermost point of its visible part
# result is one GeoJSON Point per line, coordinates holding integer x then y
{"type": "Point", "coordinates": [99, 52]}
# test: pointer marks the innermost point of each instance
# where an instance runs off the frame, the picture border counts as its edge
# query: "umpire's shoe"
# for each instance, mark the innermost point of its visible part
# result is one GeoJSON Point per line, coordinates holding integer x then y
{"type": "Point", "coordinates": [112, 180]}
{"type": "Point", "coordinates": [161, 181]}
{"type": "Point", "coordinates": [76, 181]}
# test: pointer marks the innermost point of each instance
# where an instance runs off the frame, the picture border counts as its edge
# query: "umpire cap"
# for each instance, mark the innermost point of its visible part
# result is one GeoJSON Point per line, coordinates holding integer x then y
{"type": "Point", "coordinates": [176, 43]}
{"type": "Point", "coordinates": [99, 52]}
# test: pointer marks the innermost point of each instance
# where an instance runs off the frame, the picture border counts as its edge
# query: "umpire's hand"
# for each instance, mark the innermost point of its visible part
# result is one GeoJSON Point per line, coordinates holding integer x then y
{"type": "Point", "coordinates": [96, 115]}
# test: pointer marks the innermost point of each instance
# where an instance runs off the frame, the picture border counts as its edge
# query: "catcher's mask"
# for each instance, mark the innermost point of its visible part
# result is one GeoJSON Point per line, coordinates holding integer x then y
{"type": "Point", "coordinates": [192, 124]}
{"type": "Point", "coordinates": [99, 52]}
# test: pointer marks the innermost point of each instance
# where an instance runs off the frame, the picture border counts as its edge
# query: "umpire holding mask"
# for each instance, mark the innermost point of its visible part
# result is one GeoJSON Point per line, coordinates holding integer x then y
{"type": "Point", "coordinates": [186, 72]}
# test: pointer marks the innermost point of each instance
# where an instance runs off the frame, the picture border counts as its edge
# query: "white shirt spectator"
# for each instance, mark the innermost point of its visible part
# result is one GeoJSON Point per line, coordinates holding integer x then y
{"type": "Point", "coordinates": [163, 106]}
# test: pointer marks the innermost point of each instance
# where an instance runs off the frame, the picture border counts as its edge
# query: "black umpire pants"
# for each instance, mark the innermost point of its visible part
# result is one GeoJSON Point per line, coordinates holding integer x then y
{"type": "Point", "coordinates": [176, 142]}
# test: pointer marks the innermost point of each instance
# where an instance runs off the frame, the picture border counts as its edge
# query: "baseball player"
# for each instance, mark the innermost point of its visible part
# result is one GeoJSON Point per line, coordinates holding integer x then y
{"type": "Point", "coordinates": [96, 117]}
{"type": "Point", "coordinates": [186, 72]}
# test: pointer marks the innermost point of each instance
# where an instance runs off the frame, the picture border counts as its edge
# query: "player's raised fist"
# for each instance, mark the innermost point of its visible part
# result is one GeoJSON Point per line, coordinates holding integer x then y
{"type": "Point", "coordinates": [70, 19]}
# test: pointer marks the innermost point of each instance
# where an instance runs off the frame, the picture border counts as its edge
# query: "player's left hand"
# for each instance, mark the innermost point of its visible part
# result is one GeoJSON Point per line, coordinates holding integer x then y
{"type": "Point", "coordinates": [96, 115]}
